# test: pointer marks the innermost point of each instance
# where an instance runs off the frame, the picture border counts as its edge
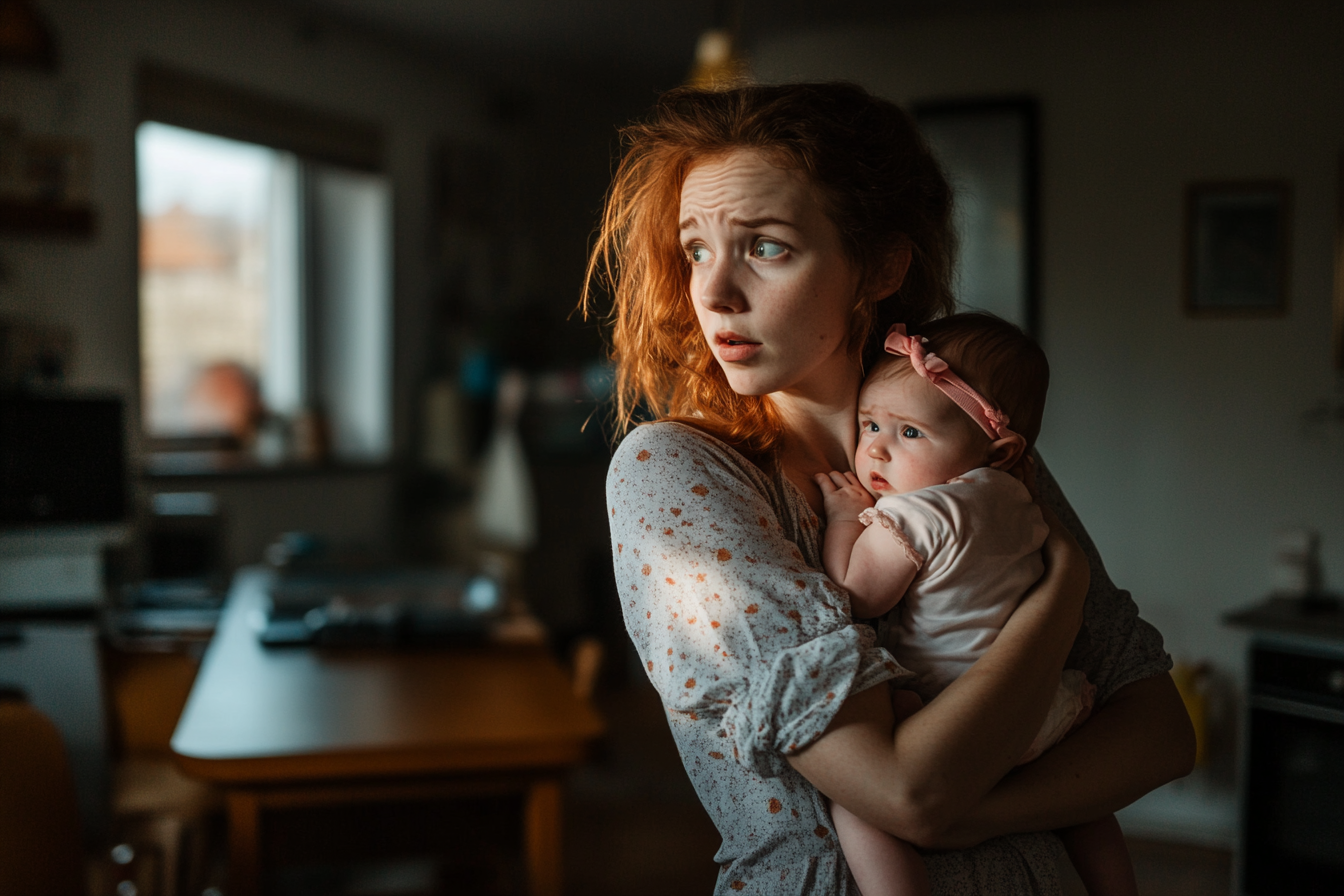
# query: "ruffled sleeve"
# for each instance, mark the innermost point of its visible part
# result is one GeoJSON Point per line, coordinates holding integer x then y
{"type": "Point", "coordinates": [732, 625]}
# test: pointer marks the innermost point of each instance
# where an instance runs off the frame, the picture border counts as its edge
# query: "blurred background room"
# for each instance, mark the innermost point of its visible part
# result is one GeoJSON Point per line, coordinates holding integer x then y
{"type": "Point", "coordinates": [305, 581]}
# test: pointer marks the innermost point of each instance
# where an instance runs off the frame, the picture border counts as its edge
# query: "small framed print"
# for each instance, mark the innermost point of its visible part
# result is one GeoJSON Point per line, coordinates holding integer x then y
{"type": "Point", "coordinates": [1236, 260]}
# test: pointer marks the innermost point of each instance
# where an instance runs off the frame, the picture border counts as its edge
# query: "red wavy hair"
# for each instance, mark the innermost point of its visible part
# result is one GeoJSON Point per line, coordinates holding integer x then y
{"type": "Point", "coordinates": [881, 188]}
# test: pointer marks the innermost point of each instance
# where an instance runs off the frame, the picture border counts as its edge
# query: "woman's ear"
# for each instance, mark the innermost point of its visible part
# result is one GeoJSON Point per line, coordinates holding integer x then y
{"type": "Point", "coordinates": [1005, 452]}
{"type": "Point", "coordinates": [894, 271]}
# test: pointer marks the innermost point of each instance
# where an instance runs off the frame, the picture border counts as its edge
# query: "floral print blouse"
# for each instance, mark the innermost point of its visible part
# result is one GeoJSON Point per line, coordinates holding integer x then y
{"type": "Point", "coordinates": [752, 649]}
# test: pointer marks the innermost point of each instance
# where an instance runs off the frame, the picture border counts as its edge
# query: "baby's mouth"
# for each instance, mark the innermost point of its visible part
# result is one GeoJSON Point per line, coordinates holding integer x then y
{"type": "Point", "coordinates": [877, 483]}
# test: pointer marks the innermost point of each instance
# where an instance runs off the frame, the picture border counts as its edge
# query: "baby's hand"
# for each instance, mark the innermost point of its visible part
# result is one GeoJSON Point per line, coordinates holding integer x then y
{"type": "Point", "coordinates": [843, 496]}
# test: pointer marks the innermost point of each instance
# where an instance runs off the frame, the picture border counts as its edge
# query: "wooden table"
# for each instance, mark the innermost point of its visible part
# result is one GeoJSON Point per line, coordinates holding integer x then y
{"type": "Point", "coordinates": [298, 727]}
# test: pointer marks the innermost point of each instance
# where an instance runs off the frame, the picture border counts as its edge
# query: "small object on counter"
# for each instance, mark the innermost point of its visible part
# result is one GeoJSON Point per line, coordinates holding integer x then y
{"type": "Point", "coordinates": [310, 437]}
{"type": "Point", "coordinates": [1297, 565]}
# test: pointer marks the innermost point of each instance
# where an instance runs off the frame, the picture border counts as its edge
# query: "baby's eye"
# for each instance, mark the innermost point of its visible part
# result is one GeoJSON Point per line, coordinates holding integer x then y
{"type": "Point", "coordinates": [911, 433]}
{"type": "Point", "coordinates": [868, 426]}
{"type": "Point", "coordinates": [767, 249]}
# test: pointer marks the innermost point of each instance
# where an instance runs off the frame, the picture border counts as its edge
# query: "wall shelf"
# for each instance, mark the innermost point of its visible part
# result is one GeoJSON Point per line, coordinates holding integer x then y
{"type": "Point", "coordinates": [24, 218]}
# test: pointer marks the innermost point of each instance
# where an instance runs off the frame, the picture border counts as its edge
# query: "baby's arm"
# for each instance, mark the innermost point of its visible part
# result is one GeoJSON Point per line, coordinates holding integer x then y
{"type": "Point", "coordinates": [861, 558]}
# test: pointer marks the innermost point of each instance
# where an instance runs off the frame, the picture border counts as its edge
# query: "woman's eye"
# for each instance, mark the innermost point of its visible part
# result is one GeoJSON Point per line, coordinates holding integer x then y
{"type": "Point", "coordinates": [767, 249]}
{"type": "Point", "coordinates": [698, 254]}
{"type": "Point", "coordinates": [910, 432]}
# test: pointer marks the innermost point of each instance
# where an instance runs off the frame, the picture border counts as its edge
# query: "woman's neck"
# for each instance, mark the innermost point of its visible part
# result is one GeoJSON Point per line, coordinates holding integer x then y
{"type": "Point", "coordinates": [819, 431]}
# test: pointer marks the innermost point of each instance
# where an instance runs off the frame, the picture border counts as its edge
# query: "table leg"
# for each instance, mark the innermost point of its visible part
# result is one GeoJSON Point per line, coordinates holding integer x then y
{"type": "Point", "coordinates": [542, 835]}
{"type": "Point", "coordinates": [244, 844]}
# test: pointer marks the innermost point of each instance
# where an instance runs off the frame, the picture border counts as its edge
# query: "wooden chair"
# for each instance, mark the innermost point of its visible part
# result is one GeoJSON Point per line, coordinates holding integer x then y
{"type": "Point", "coordinates": [586, 660]}
{"type": "Point", "coordinates": [41, 849]}
{"type": "Point", "coordinates": [152, 801]}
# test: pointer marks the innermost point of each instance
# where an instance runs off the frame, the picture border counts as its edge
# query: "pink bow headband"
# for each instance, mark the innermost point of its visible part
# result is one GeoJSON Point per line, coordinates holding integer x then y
{"type": "Point", "coordinates": [934, 369]}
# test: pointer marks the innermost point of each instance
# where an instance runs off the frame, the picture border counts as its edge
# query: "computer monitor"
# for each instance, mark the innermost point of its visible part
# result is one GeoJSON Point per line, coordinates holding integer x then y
{"type": "Point", "coordinates": [62, 461]}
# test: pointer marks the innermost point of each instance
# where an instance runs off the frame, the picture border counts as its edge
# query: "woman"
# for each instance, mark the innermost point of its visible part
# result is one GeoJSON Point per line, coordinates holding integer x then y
{"type": "Point", "coordinates": [758, 242]}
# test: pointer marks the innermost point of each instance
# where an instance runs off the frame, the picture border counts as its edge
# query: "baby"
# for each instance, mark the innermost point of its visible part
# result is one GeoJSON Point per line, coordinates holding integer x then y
{"type": "Point", "coordinates": [955, 546]}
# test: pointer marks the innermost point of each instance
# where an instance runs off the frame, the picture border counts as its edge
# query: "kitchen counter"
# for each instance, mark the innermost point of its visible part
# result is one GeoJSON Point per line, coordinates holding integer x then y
{"type": "Point", "coordinates": [1293, 616]}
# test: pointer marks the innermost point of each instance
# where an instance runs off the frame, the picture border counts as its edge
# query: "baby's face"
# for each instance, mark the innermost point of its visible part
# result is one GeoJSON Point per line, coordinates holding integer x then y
{"type": "Point", "coordinates": [912, 436]}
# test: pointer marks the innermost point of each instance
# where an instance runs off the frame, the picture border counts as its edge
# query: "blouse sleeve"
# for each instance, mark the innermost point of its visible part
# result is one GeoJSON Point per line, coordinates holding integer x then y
{"type": "Point", "coordinates": [728, 619]}
{"type": "Point", "coordinates": [1115, 647]}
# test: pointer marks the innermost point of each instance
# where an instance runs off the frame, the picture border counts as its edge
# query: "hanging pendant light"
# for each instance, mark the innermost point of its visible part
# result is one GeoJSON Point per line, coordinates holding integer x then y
{"type": "Point", "coordinates": [719, 61]}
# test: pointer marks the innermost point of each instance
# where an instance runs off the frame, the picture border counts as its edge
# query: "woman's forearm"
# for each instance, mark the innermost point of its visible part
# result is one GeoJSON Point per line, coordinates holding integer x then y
{"type": "Point", "coordinates": [1140, 739]}
{"type": "Point", "coordinates": [942, 761]}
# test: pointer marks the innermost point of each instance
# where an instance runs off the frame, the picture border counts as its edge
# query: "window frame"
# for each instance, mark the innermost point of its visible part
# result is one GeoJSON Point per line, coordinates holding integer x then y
{"type": "Point", "coordinates": [319, 140]}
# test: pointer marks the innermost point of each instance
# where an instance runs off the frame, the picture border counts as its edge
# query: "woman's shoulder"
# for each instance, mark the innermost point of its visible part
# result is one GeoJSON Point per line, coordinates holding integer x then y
{"type": "Point", "coordinates": [671, 449]}
{"type": "Point", "coordinates": [663, 434]}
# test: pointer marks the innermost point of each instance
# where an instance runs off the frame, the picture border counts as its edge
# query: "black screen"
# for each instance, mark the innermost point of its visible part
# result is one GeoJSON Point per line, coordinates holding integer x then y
{"type": "Point", "coordinates": [61, 460]}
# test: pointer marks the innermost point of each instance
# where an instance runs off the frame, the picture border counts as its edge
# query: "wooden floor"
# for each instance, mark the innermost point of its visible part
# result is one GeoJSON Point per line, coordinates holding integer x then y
{"type": "Point", "coordinates": [634, 824]}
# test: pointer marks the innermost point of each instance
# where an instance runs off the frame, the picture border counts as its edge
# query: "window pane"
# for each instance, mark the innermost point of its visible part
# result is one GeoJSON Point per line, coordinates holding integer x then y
{"type": "Point", "coordinates": [213, 213]}
{"type": "Point", "coordinates": [352, 239]}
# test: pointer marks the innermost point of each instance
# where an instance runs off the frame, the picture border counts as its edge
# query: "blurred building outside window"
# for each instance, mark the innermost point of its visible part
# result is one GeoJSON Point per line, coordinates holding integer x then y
{"type": "Point", "coordinates": [265, 299]}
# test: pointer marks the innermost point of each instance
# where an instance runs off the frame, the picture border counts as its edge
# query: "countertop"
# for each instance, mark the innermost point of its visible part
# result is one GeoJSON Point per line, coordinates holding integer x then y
{"type": "Point", "coordinates": [1291, 615]}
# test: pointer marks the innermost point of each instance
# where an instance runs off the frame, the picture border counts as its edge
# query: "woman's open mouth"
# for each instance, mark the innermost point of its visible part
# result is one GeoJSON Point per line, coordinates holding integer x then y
{"type": "Point", "coordinates": [735, 348]}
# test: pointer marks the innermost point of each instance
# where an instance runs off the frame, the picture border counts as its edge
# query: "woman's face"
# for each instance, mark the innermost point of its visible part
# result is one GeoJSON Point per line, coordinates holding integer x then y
{"type": "Point", "coordinates": [770, 281]}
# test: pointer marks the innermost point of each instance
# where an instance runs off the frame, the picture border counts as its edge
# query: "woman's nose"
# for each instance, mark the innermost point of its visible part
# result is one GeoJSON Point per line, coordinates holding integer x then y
{"type": "Point", "coordinates": [719, 291]}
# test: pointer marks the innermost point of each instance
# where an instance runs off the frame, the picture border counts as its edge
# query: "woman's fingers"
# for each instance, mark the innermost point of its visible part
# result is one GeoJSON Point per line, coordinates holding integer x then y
{"type": "Point", "coordinates": [1063, 554]}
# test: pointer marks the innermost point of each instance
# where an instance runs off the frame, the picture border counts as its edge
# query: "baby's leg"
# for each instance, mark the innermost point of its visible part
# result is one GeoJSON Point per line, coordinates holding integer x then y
{"type": "Point", "coordinates": [1099, 855]}
{"type": "Point", "coordinates": [882, 865]}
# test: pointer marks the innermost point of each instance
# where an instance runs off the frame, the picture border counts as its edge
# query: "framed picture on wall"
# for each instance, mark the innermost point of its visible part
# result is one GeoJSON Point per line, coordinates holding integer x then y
{"type": "Point", "coordinates": [1337, 344]}
{"type": "Point", "coordinates": [1236, 257]}
{"type": "Point", "coordinates": [988, 149]}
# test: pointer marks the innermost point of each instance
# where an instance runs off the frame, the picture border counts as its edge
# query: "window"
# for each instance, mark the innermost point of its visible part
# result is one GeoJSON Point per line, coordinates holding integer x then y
{"type": "Point", "coordinates": [265, 299]}
{"type": "Point", "coordinates": [218, 278]}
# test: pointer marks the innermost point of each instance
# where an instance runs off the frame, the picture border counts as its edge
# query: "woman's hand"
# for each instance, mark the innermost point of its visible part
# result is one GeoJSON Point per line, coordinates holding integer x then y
{"type": "Point", "coordinates": [1066, 563]}
{"type": "Point", "coordinates": [1024, 471]}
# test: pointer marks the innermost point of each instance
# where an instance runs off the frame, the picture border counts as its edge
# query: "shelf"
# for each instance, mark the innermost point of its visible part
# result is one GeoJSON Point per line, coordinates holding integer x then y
{"type": "Point", "coordinates": [23, 218]}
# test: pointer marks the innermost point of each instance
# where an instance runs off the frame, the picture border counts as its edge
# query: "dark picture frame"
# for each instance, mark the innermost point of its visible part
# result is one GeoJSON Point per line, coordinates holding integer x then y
{"type": "Point", "coordinates": [1237, 248]}
{"type": "Point", "coordinates": [1337, 325]}
{"type": "Point", "coordinates": [989, 150]}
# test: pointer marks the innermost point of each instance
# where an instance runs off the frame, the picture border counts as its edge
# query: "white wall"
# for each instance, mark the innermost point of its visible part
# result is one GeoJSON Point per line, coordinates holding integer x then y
{"type": "Point", "coordinates": [1181, 442]}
